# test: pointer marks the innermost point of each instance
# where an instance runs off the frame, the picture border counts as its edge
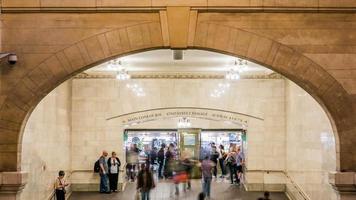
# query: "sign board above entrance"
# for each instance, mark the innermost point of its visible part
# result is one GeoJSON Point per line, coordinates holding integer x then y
{"type": "Point", "coordinates": [190, 112]}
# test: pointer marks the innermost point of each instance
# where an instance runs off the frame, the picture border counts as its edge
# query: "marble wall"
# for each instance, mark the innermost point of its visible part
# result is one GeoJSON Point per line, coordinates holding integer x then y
{"type": "Point", "coordinates": [310, 146]}
{"type": "Point", "coordinates": [46, 143]}
{"type": "Point", "coordinates": [95, 100]}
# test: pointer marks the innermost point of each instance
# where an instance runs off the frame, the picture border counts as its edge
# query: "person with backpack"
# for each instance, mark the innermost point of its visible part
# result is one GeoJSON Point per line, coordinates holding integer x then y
{"type": "Point", "coordinates": [160, 160]}
{"type": "Point", "coordinates": [114, 168]}
{"type": "Point", "coordinates": [103, 171]}
{"type": "Point", "coordinates": [231, 164]}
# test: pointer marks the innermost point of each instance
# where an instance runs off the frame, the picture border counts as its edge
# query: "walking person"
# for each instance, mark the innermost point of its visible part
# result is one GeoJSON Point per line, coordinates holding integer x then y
{"type": "Point", "coordinates": [60, 186]}
{"type": "Point", "coordinates": [145, 181]}
{"type": "Point", "coordinates": [206, 167]}
{"type": "Point", "coordinates": [132, 161]}
{"type": "Point", "coordinates": [114, 168]}
{"type": "Point", "coordinates": [240, 161]}
{"type": "Point", "coordinates": [104, 170]}
{"type": "Point", "coordinates": [222, 157]}
{"type": "Point", "coordinates": [188, 165]}
{"type": "Point", "coordinates": [214, 155]}
{"type": "Point", "coordinates": [231, 163]}
{"type": "Point", "coordinates": [168, 162]}
{"type": "Point", "coordinates": [160, 160]}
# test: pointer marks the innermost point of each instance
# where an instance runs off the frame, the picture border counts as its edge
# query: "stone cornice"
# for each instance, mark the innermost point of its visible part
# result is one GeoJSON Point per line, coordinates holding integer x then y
{"type": "Point", "coordinates": [343, 182]}
{"type": "Point", "coordinates": [176, 76]}
{"type": "Point", "coordinates": [140, 9]}
{"type": "Point", "coordinates": [12, 182]}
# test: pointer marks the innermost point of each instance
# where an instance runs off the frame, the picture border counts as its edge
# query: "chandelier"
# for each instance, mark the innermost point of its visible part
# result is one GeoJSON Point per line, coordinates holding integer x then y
{"type": "Point", "coordinates": [220, 90]}
{"type": "Point", "coordinates": [116, 65]}
{"type": "Point", "coordinates": [184, 123]}
{"type": "Point", "coordinates": [234, 73]}
{"type": "Point", "coordinates": [136, 89]}
{"type": "Point", "coordinates": [122, 75]}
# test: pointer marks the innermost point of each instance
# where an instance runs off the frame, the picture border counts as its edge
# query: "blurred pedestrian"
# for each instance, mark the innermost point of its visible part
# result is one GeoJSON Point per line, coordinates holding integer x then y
{"type": "Point", "coordinates": [222, 157]}
{"type": "Point", "coordinates": [132, 161]}
{"type": "Point", "coordinates": [145, 181]}
{"type": "Point", "coordinates": [240, 161]}
{"type": "Point", "coordinates": [188, 166]}
{"type": "Point", "coordinates": [214, 155]}
{"type": "Point", "coordinates": [206, 167]}
{"type": "Point", "coordinates": [160, 160]}
{"type": "Point", "coordinates": [168, 162]}
{"type": "Point", "coordinates": [231, 164]}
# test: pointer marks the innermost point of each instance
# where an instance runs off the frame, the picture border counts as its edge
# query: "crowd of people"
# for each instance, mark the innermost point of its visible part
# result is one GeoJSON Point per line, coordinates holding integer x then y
{"type": "Point", "coordinates": [167, 165]}
{"type": "Point", "coordinates": [170, 166]}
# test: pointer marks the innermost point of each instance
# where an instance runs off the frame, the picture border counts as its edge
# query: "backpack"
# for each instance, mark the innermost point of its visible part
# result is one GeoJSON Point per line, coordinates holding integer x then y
{"type": "Point", "coordinates": [97, 166]}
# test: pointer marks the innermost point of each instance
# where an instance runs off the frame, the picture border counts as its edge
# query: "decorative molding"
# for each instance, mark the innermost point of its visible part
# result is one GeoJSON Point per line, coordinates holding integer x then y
{"type": "Point", "coordinates": [138, 9]}
{"type": "Point", "coordinates": [12, 182]}
{"type": "Point", "coordinates": [343, 182]}
{"type": "Point", "coordinates": [176, 76]}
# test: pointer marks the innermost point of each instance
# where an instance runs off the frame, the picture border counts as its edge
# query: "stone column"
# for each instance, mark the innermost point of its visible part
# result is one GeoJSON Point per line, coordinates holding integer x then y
{"type": "Point", "coordinates": [11, 185]}
{"type": "Point", "coordinates": [344, 183]}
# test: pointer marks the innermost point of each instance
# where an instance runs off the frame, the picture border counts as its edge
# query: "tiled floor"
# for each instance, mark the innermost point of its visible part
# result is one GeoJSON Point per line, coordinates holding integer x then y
{"type": "Point", "coordinates": [165, 190]}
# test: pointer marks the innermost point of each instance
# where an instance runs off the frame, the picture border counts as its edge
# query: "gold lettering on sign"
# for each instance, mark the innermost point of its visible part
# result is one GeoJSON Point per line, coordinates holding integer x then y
{"type": "Point", "coordinates": [156, 115]}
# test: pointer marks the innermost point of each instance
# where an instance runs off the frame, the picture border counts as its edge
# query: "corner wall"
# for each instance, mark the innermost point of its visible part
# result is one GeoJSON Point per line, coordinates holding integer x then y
{"type": "Point", "coordinates": [310, 147]}
{"type": "Point", "coordinates": [46, 143]}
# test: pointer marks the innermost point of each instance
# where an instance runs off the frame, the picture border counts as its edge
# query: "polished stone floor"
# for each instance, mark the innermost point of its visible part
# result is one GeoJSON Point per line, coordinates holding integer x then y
{"type": "Point", "coordinates": [165, 191]}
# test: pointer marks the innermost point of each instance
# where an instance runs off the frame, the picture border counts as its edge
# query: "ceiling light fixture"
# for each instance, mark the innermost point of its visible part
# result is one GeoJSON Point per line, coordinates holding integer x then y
{"type": "Point", "coordinates": [122, 75]}
{"type": "Point", "coordinates": [220, 90]}
{"type": "Point", "coordinates": [184, 123]}
{"type": "Point", "coordinates": [136, 89]}
{"type": "Point", "coordinates": [239, 67]}
{"type": "Point", "coordinates": [115, 65]}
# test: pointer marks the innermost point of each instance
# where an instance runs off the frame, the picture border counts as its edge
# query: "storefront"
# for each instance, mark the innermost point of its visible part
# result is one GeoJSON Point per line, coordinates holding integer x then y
{"type": "Point", "coordinates": [193, 143]}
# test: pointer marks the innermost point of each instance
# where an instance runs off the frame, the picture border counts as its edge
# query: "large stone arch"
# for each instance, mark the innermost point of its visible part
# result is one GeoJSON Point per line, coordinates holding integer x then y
{"type": "Point", "coordinates": [23, 95]}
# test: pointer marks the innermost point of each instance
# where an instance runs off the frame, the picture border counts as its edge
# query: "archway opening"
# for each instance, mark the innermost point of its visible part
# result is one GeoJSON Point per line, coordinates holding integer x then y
{"type": "Point", "coordinates": [77, 120]}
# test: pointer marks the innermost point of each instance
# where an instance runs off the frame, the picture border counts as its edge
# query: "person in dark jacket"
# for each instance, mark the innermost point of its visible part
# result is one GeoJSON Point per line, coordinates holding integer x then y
{"type": "Point", "coordinates": [114, 168]}
{"type": "Point", "coordinates": [160, 160]}
{"type": "Point", "coordinates": [214, 155]}
{"type": "Point", "coordinates": [145, 181]}
{"type": "Point", "coordinates": [168, 162]}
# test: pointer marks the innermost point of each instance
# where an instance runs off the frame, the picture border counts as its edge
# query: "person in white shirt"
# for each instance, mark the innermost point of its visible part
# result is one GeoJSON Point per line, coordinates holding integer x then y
{"type": "Point", "coordinates": [114, 168]}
